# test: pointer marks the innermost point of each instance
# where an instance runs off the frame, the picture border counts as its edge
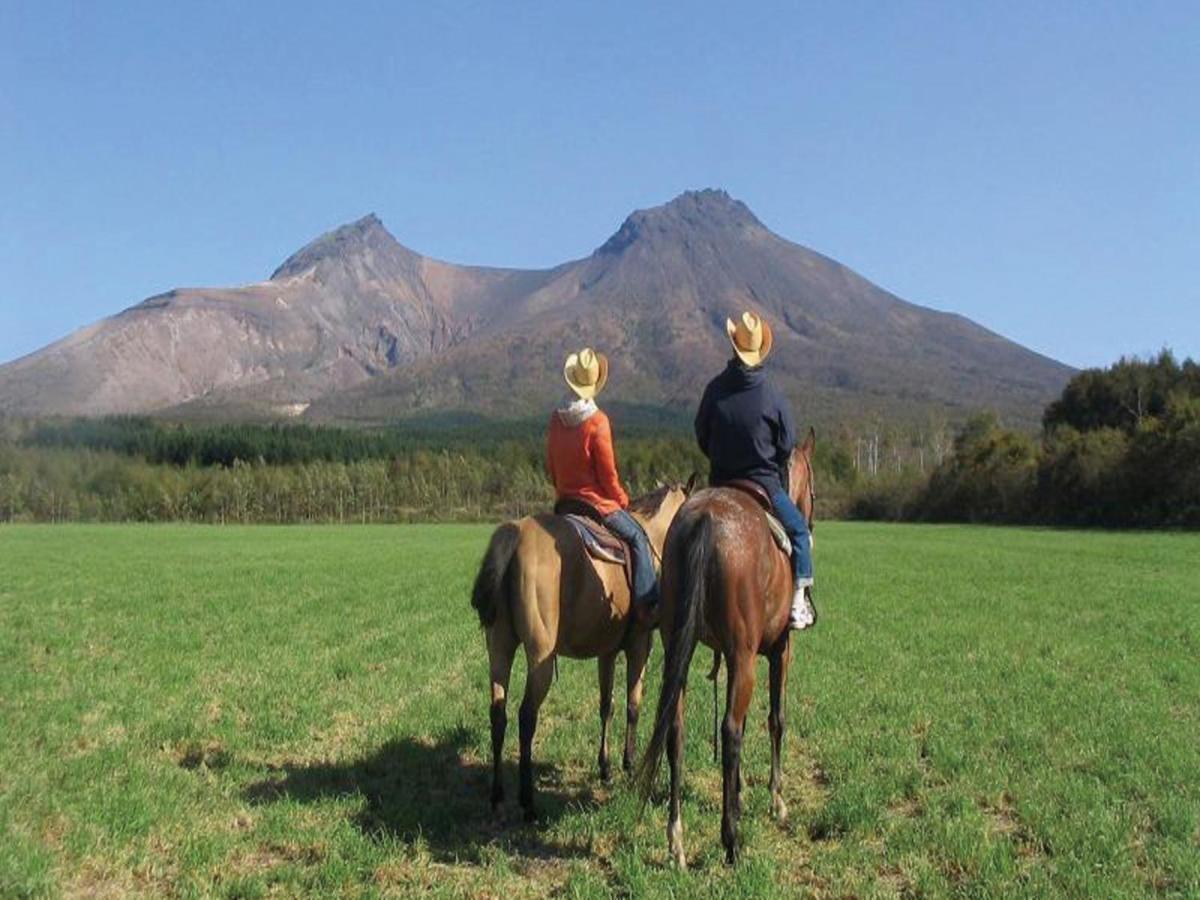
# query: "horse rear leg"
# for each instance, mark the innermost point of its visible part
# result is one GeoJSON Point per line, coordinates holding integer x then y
{"type": "Point", "coordinates": [780, 660]}
{"type": "Point", "coordinates": [675, 759]}
{"type": "Point", "coordinates": [537, 685]}
{"type": "Point", "coordinates": [636, 655]}
{"type": "Point", "coordinates": [607, 666]}
{"type": "Point", "coordinates": [737, 702]}
{"type": "Point", "coordinates": [502, 647]}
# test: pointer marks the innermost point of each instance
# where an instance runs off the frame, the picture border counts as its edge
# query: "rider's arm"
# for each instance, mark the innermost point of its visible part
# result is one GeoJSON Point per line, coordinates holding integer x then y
{"type": "Point", "coordinates": [786, 435]}
{"type": "Point", "coordinates": [701, 424]}
{"type": "Point", "coordinates": [605, 461]}
{"type": "Point", "coordinates": [549, 457]}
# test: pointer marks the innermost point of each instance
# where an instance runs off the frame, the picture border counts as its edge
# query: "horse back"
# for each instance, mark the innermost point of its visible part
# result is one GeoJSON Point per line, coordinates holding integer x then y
{"type": "Point", "coordinates": [748, 586]}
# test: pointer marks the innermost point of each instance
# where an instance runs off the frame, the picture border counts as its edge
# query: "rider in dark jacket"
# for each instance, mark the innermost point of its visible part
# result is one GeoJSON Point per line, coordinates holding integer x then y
{"type": "Point", "coordinates": [745, 429]}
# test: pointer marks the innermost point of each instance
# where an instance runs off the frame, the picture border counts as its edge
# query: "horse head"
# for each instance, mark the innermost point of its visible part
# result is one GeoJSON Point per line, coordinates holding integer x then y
{"type": "Point", "coordinates": [801, 485]}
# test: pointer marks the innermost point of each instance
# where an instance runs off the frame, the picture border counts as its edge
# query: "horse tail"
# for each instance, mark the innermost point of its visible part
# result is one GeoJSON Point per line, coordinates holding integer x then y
{"type": "Point", "coordinates": [692, 577]}
{"type": "Point", "coordinates": [491, 582]}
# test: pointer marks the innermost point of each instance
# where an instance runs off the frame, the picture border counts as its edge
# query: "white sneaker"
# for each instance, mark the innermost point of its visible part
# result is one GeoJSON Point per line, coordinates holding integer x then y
{"type": "Point", "coordinates": [804, 614]}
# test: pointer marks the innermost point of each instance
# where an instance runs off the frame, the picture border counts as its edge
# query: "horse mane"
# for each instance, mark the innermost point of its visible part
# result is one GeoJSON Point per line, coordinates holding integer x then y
{"type": "Point", "coordinates": [648, 504]}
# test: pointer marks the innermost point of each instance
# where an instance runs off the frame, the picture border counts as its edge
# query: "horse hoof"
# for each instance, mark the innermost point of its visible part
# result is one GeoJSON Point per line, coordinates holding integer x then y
{"type": "Point", "coordinates": [781, 812]}
{"type": "Point", "coordinates": [731, 851]}
{"type": "Point", "coordinates": [675, 844]}
{"type": "Point", "coordinates": [531, 816]}
{"type": "Point", "coordinates": [605, 773]}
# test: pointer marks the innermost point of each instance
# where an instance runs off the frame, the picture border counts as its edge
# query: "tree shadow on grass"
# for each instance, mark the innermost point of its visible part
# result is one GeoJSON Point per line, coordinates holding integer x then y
{"type": "Point", "coordinates": [429, 791]}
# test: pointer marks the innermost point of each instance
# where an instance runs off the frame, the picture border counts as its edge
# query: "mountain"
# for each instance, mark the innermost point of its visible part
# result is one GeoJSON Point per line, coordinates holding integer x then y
{"type": "Point", "coordinates": [355, 327]}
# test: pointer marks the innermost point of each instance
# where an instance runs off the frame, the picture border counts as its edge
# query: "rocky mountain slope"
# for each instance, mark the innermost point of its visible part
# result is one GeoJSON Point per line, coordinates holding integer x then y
{"type": "Point", "coordinates": [356, 327]}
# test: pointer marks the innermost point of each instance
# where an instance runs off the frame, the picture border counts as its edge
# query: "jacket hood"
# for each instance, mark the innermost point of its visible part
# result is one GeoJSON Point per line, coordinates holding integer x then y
{"type": "Point", "coordinates": [741, 377]}
{"type": "Point", "coordinates": [576, 411]}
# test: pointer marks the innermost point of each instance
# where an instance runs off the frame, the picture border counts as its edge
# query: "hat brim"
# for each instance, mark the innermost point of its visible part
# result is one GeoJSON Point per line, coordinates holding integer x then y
{"type": "Point", "coordinates": [585, 391]}
{"type": "Point", "coordinates": [751, 357]}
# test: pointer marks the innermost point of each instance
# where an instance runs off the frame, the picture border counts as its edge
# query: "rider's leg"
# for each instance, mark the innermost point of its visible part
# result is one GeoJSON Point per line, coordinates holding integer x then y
{"type": "Point", "coordinates": [645, 582]}
{"type": "Point", "coordinates": [803, 613]}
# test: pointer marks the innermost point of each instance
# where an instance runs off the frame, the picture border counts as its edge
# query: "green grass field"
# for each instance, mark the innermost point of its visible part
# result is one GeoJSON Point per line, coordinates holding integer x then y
{"type": "Point", "coordinates": [263, 711]}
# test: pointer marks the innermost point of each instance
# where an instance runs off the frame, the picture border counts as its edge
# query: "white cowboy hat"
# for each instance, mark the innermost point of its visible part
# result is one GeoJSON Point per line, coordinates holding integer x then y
{"type": "Point", "coordinates": [751, 338]}
{"type": "Point", "coordinates": [586, 372]}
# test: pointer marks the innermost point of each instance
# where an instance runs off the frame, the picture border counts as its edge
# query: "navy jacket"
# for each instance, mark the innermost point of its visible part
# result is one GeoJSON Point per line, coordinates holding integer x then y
{"type": "Point", "coordinates": [745, 428]}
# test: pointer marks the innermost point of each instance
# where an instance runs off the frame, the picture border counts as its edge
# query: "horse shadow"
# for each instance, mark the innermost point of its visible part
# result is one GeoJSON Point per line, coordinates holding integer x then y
{"type": "Point", "coordinates": [430, 792]}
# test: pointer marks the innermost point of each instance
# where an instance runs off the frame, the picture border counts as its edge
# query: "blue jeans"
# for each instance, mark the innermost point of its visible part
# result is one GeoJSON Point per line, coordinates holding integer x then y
{"type": "Point", "coordinates": [797, 530]}
{"type": "Point", "coordinates": [645, 582]}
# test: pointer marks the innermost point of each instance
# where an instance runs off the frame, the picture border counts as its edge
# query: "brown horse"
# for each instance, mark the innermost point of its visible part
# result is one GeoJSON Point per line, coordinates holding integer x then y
{"type": "Point", "coordinates": [726, 583]}
{"type": "Point", "coordinates": [538, 588]}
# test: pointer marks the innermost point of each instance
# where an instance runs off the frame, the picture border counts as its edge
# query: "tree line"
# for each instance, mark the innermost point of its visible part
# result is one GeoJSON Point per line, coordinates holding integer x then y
{"type": "Point", "coordinates": [1120, 447]}
{"type": "Point", "coordinates": [135, 469]}
{"type": "Point", "coordinates": [140, 469]}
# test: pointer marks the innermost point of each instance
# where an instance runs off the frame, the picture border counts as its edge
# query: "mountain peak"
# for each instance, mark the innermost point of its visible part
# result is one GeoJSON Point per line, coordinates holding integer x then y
{"type": "Point", "coordinates": [710, 211]}
{"type": "Point", "coordinates": [353, 239]}
{"type": "Point", "coordinates": [714, 201]}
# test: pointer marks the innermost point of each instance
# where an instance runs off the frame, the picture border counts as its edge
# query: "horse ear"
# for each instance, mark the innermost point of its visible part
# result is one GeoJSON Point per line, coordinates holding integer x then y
{"type": "Point", "coordinates": [658, 485]}
{"type": "Point", "coordinates": [691, 484]}
{"type": "Point", "coordinates": [810, 442]}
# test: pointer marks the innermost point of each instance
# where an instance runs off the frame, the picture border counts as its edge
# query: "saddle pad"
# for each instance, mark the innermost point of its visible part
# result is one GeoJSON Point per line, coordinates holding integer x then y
{"type": "Point", "coordinates": [777, 532]}
{"type": "Point", "coordinates": [600, 544]}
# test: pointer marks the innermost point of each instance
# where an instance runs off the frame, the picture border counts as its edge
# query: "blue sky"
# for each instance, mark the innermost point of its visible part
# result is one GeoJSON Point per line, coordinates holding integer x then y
{"type": "Point", "coordinates": [1033, 166]}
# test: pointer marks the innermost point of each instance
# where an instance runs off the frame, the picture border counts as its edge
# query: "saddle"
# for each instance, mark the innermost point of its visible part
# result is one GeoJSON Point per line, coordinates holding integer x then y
{"type": "Point", "coordinates": [755, 490]}
{"type": "Point", "coordinates": [600, 543]}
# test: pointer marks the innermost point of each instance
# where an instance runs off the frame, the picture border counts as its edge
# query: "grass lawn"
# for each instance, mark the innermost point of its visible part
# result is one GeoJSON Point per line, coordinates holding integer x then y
{"type": "Point", "coordinates": [303, 710]}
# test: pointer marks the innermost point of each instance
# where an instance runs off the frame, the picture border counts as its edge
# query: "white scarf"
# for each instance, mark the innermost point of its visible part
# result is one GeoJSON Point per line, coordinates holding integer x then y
{"type": "Point", "coordinates": [577, 411]}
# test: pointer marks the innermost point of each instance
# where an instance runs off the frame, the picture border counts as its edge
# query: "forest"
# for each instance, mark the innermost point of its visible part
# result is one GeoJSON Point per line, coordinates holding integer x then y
{"type": "Point", "coordinates": [137, 469]}
{"type": "Point", "coordinates": [140, 469]}
{"type": "Point", "coordinates": [1119, 447]}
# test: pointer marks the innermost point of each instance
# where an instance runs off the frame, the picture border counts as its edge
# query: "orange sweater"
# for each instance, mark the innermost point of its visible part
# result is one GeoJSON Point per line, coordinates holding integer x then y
{"type": "Point", "coordinates": [582, 465]}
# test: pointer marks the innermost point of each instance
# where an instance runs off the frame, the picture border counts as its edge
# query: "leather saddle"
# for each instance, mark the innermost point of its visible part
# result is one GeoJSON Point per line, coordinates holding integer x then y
{"type": "Point", "coordinates": [600, 543]}
{"type": "Point", "coordinates": [756, 490]}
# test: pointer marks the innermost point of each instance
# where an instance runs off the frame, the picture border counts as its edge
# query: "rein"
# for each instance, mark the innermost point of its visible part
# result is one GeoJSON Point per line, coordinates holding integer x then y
{"type": "Point", "coordinates": [654, 551]}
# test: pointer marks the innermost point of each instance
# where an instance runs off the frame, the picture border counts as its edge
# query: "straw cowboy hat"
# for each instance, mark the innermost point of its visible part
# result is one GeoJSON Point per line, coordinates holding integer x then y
{"type": "Point", "coordinates": [751, 338]}
{"type": "Point", "coordinates": [586, 372]}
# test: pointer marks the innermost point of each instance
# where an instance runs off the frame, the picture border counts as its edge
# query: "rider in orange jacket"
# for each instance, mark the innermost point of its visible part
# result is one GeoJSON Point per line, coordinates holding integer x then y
{"type": "Point", "coordinates": [583, 466]}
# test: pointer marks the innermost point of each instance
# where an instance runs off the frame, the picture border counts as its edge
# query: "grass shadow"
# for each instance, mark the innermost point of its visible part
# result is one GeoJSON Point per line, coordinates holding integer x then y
{"type": "Point", "coordinates": [428, 791]}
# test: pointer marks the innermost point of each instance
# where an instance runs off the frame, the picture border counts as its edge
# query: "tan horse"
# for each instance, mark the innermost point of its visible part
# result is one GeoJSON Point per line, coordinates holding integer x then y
{"type": "Point", "coordinates": [725, 583]}
{"type": "Point", "coordinates": [538, 588]}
